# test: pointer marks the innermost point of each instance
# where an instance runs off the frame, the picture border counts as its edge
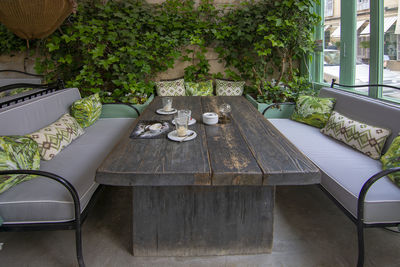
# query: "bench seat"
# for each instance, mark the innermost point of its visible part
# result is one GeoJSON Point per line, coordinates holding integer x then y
{"type": "Point", "coordinates": [344, 171]}
{"type": "Point", "coordinates": [43, 200]}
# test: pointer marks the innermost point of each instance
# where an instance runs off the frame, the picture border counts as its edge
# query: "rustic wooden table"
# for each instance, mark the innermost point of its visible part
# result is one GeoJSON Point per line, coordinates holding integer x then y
{"type": "Point", "coordinates": [213, 195]}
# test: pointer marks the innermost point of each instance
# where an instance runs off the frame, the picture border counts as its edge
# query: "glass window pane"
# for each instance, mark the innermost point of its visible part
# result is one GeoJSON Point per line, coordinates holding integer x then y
{"type": "Point", "coordinates": [328, 8]}
{"type": "Point", "coordinates": [362, 4]}
{"type": "Point", "coordinates": [391, 51]}
{"type": "Point", "coordinates": [332, 41]}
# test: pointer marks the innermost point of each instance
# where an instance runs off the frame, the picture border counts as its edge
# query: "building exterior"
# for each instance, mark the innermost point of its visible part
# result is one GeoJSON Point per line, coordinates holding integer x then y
{"type": "Point", "coordinates": [391, 40]}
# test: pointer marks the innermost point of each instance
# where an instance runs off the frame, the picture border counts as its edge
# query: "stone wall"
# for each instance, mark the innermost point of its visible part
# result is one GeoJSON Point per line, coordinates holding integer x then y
{"type": "Point", "coordinates": [17, 61]}
{"type": "Point", "coordinates": [20, 62]}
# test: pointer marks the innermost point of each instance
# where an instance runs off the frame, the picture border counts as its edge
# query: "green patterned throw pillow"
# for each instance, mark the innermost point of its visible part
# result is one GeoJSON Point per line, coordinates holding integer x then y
{"type": "Point", "coordinates": [365, 138]}
{"type": "Point", "coordinates": [392, 160]}
{"type": "Point", "coordinates": [228, 88]}
{"type": "Point", "coordinates": [314, 111]}
{"type": "Point", "coordinates": [170, 88]}
{"type": "Point", "coordinates": [199, 89]}
{"type": "Point", "coordinates": [53, 138]}
{"type": "Point", "coordinates": [17, 153]}
{"type": "Point", "coordinates": [87, 110]}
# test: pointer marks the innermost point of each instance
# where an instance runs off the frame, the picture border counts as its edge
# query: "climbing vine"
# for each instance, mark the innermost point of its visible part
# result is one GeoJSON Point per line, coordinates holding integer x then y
{"type": "Point", "coordinates": [265, 39]}
{"type": "Point", "coordinates": [117, 48]}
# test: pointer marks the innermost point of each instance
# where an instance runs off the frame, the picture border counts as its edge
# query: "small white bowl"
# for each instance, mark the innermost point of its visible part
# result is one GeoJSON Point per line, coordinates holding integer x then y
{"type": "Point", "coordinates": [156, 127]}
{"type": "Point", "coordinates": [210, 118]}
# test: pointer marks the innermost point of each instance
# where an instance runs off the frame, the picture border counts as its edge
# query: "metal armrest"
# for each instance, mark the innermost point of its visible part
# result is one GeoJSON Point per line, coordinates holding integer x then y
{"type": "Point", "coordinates": [126, 104]}
{"type": "Point", "coordinates": [42, 90]}
{"type": "Point", "coordinates": [23, 72]}
{"type": "Point", "coordinates": [59, 179]}
{"type": "Point", "coordinates": [277, 105]}
{"type": "Point", "coordinates": [77, 207]}
{"type": "Point", "coordinates": [333, 83]}
{"type": "Point", "coordinates": [366, 187]}
{"type": "Point", "coordinates": [59, 84]}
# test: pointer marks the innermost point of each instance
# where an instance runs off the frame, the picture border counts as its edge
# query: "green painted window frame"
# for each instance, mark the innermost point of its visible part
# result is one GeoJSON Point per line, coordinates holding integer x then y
{"type": "Point", "coordinates": [348, 48]}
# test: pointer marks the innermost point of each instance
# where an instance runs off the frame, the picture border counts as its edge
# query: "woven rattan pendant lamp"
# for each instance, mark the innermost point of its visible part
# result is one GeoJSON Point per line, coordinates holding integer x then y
{"type": "Point", "coordinates": [34, 19]}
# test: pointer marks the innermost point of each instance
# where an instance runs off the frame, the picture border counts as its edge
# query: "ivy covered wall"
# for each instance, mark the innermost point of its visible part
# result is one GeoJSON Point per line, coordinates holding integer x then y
{"type": "Point", "coordinates": [120, 48]}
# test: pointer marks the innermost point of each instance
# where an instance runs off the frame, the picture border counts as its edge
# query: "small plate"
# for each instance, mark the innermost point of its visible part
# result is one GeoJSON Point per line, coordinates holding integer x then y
{"type": "Point", "coordinates": [155, 128]}
{"type": "Point", "coordinates": [191, 122]}
{"type": "Point", "coordinates": [163, 112]}
{"type": "Point", "coordinates": [172, 135]}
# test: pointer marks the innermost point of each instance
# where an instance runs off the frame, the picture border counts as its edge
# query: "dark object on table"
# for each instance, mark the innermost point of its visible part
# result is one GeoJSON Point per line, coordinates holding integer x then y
{"type": "Point", "coordinates": [224, 119]}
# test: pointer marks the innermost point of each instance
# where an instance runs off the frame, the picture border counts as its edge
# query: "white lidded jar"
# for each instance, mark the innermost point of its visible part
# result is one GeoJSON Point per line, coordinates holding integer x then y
{"type": "Point", "coordinates": [210, 118]}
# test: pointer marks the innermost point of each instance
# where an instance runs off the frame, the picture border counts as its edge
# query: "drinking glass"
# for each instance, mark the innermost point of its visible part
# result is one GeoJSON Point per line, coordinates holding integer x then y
{"type": "Point", "coordinates": [225, 109]}
{"type": "Point", "coordinates": [167, 103]}
{"type": "Point", "coordinates": [181, 124]}
{"type": "Point", "coordinates": [184, 113]}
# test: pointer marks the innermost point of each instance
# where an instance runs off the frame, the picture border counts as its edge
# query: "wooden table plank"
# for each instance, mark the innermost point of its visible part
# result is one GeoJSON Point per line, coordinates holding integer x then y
{"type": "Point", "coordinates": [159, 161]}
{"type": "Point", "coordinates": [281, 162]}
{"type": "Point", "coordinates": [232, 162]}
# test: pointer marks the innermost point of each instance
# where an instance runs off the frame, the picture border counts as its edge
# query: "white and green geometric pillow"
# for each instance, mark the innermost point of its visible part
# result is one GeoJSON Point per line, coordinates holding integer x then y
{"type": "Point", "coordinates": [171, 88]}
{"type": "Point", "coordinates": [392, 160]}
{"type": "Point", "coordinates": [199, 89]}
{"type": "Point", "coordinates": [365, 138]}
{"type": "Point", "coordinates": [17, 153]}
{"type": "Point", "coordinates": [314, 111]}
{"type": "Point", "coordinates": [229, 88]}
{"type": "Point", "coordinates": [53, 138]}
{"type": "Point", "coordinates": [87, 110]}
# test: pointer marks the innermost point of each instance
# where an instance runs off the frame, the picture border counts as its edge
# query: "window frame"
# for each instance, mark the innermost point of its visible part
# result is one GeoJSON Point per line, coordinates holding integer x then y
{"type": "Point", "coordinates": [348, 49]}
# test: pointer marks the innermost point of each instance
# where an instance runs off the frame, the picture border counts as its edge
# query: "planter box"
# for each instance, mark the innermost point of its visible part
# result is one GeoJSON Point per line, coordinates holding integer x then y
{"type": "Point", "coordinates": [123, 111]}
{"type": "Point", "coordinates": [283, 112]}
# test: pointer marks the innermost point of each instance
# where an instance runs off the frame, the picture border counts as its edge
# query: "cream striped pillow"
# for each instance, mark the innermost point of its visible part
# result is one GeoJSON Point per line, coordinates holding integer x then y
{"type": "Point", "coordinates": [53, 138]}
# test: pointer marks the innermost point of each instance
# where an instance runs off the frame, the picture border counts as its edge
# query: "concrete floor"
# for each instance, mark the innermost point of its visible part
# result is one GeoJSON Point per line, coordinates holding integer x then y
{"type": "Point", "coordinates": [309, 231]}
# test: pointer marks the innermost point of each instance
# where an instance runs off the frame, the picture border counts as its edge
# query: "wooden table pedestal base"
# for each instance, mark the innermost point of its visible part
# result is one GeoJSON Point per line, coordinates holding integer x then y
{"type": "Point", "coordinates": [202, 220]}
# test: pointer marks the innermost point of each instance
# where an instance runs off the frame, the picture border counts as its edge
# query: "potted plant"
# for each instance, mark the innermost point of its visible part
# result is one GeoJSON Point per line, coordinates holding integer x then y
{"type": "Point", "coordinates": [281, 96]}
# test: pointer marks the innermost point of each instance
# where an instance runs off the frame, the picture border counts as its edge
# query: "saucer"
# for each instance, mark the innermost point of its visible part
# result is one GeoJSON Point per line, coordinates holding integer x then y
{"type": "Point", "coordinates": [191, 122]}
{"type": "Point", "coordinates": [163, 112]}
{"type": "Point", "coordinates": [172, 135]}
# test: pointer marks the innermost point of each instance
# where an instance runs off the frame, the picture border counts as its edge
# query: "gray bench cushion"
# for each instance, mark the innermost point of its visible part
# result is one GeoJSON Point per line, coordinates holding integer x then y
{"type": "Point", "coordinates": [344, 172]}
{"type": "Point", "coordinates": [43, 200]}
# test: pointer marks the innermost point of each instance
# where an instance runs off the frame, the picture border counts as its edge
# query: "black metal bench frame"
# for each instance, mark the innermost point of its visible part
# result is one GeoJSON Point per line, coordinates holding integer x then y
{"type": "Point", "coordinates": [80, 217]}
{"type": "Point", "coordinates": [43, 90]}
{"type": "Point", "coordinates": [359, 220]}
{"type": "Point", "coordinates": [75, 224]}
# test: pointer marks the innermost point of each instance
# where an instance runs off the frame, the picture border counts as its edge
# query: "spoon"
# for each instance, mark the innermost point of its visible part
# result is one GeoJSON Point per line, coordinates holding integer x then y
{"type": "Point", "coordinates": [183, 139]}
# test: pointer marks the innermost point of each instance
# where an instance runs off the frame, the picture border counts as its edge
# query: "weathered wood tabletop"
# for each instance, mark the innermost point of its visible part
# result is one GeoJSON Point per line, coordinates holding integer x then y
{"type": "Point", "coordinates": [246, 151]}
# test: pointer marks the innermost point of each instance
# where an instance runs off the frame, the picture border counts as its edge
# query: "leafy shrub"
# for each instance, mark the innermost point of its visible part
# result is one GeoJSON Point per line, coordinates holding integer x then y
{"type": "Point", "coordinates": [9, 42]}
{"type": "Point", "coordinates": [117, 49]}
{"type": "Point", "coordinates": [264, 38]}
